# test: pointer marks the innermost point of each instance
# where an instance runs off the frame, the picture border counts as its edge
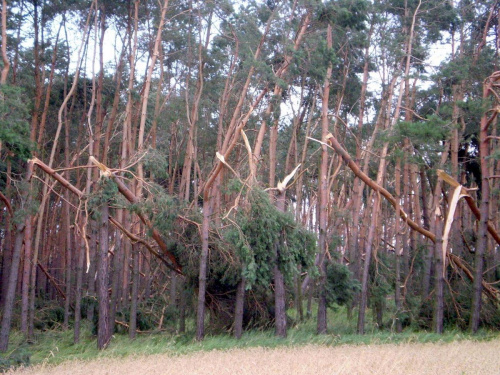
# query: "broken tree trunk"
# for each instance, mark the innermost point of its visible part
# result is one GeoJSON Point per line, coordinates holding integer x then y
{"type": "Point", "coordinates": [130, 196]}
{"type": "Point", "coordinates": [489, 290]}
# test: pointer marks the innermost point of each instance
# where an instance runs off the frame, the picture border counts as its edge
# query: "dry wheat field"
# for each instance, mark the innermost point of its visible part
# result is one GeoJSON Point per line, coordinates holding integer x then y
{"type": "Point", "coordinates": [464, 357]}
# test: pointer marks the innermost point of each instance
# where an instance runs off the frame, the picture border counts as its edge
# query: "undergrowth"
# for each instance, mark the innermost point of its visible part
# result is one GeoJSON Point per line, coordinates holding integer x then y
{"type": "Point", "coordinates": [56, 346]}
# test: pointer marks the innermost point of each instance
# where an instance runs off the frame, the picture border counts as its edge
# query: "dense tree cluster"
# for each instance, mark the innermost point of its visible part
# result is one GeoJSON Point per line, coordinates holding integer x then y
{"type": "Point", "coordinates": [179, 159]}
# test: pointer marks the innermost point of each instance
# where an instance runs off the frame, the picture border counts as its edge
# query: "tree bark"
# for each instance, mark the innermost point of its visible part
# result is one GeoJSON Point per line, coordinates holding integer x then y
{"type": "Point", "coordinates": [323, 193]}
{"type": "Point", "coordinates": [439, 273]}
{"type": "Point", "coordinates": [78, 290]}
{"type": "Point", "coordinates": [238, 310]}
{"type": "Point", "coordinates": [103, 332]}
{"type": "Point", "coordinates": [135, 289]}
{"type": "Point", "coordinates": [398, 250]}
{"type": "Point", "coordinates": [482, 240]}
{"type": "Point", "coordinates": [26, 277]}
{"type": "Point", "coordinates": [118, 261]}
{"type": "Point", "coordinates": [366, 267]}
{"type": "Point", "coordinates": [11, 289]}
{"type": "Point", "coordinates": [279, 281]}
{"type": "Point", "coordinates": [14, 270]}
{"type": "Point", "coordinates": [5, 59]}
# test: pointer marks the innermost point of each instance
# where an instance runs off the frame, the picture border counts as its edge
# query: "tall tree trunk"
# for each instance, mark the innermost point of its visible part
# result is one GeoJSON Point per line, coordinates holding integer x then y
{"type": "Point", "coordinates": [67, 230]}
{"type": "Point", "coordinates": [78, 289]}
{"type": "Point", "coordinates": [354, 253]}
{"type": "Point", "coordinates": [37, 73]}
{"type": "Point", "coordinates": [323, 201]}
{"type": "Point", "coordinates": [14, 270]}
{"type": "Point", "coordinates": [232, 136]}
{"type": "Point", "coordinates": [182, 304]}
{"type": "Point", "coordinates": [482, 239]}
{"type": "Point", "coordinates": [5, 59]}
{"type": "Point", "coordinates": [439, 272]}
{"type": "Point", "coordinates": [26, 277]}
{"type": "Point", "coordinates": [126, 152]}
{"type": "Point", "coordinates": [8, 306]}
{"type": "Point", "coordinates": [36, 245]}
{"type": "Point", "coordinates": [135, 289]}
{"type": "Point", "coordinates": [118, 261]}
{"type": "Point", "coordinates": [173, 301]}
{"type": "Point", "coordinates": [192, 115]}
{"type": "Point", "coordinates": [366, 267]}
{"type": "Point", "coordinates": [103, 332]}
{"type": "Point", "coordinates": [279, 281]}
{"type": "Point", "coordinates": [397, 248]}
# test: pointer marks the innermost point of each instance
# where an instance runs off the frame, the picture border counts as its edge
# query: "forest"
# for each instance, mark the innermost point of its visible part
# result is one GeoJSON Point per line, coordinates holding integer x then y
{"type": "Point", "coordinates": [210, 166]}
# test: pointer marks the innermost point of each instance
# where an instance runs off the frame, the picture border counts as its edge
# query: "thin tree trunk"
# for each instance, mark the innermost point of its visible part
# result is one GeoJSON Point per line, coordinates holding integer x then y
{"type": "Point", "coordinates": [232, 135]}
{"type": "Point", "coordinates": [439, 272]}
{"type": "Point", "coordinates": [173, 294]}
{"type": "Point", "coordinates": [5, 59]}
{"type": "Point", "coordinates": [135, 289]}
{"type": "Point", "coordinates": [366, 268]}
{"type": "Point", "coordinates": [298, 299]}
{"type": "Point", "coordinates": [238, 310]}
{"type": "Point", "coordinates": [37, 79]}
{"type": "Point", "coordinates": [192, 115]}
{"type": "Point", "coordinates": [323, 193]}
{"type": "Point", "coordinates": [26, 277]}
{"type": "Point", "coordinates": [45, 192]}
{"type": "Point", "coordinates": [67, 230]}
{"type": "Point", "coordinates": [117, 273]}
{"type": "Point", "coordinates": [398, 250]}
{"type": "Point", "coordinates": [182, 305]}
{"type": "Point", "coordinates": [103, 332]}
{"type": "Point", "coordinates": [482, 239]}
{"type": "Point", "coordinates": [354, 253]}
{"type": "Point", "coordinates": [279, 281]}
{"type": "Point", "coordinates": [8, 306]}
{"type": "Point", "coordinates": [78, 290]}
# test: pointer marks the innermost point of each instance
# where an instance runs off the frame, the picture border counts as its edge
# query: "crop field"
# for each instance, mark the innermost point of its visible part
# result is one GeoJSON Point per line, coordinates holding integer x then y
{"type": "Point", "coordinates": [460, 357]}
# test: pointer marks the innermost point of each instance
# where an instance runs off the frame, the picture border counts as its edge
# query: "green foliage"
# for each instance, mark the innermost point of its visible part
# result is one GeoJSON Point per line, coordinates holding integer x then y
{"type": "Point", "coordinates": [49, 317]}
{"type": "Point", "coordinates": [14, 131]}
{"type": "Point", "coordinates": [144, 320]}
{"type": "Point", "coordinates": [105, 193]}
{"type": "Point", "coordinates": [381, 283]}
{"type": "Point", "coordinates": [88, 303]}
{"type": "Point", "coordinates": [314, 58]}
{"type": "Point", "coordinates": [19, 357]}
{"type": "Point", "coordinates": [155, 163]}
{"type": "Point", "coordinates": [162, 209]}
{"type": "Point", "coordinates": [260, 231]}
{"type": "Point", "coordinates": [254, 237]}
{"type": "Point", "coordinates": [57, 346]}
{"type": "Point", "coordinates": [421, 133]}
{"type": "Point", "coordinates": [14, 125]}
{"type": "Point", "coordinates": [340, 285]}
{"type": "Point", "coordinates": [426, 137]}
{"type": "Point", "coordinates": [345, 14]}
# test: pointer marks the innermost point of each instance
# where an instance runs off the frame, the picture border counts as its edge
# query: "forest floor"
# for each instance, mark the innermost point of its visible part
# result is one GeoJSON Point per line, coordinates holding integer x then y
{"type": "Point", "coordinates": [458, 357]}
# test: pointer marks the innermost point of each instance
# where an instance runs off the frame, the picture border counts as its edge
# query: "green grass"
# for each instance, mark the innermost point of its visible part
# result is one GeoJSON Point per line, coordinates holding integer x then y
{"type": "Point", "coordinates": [56, 346]}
